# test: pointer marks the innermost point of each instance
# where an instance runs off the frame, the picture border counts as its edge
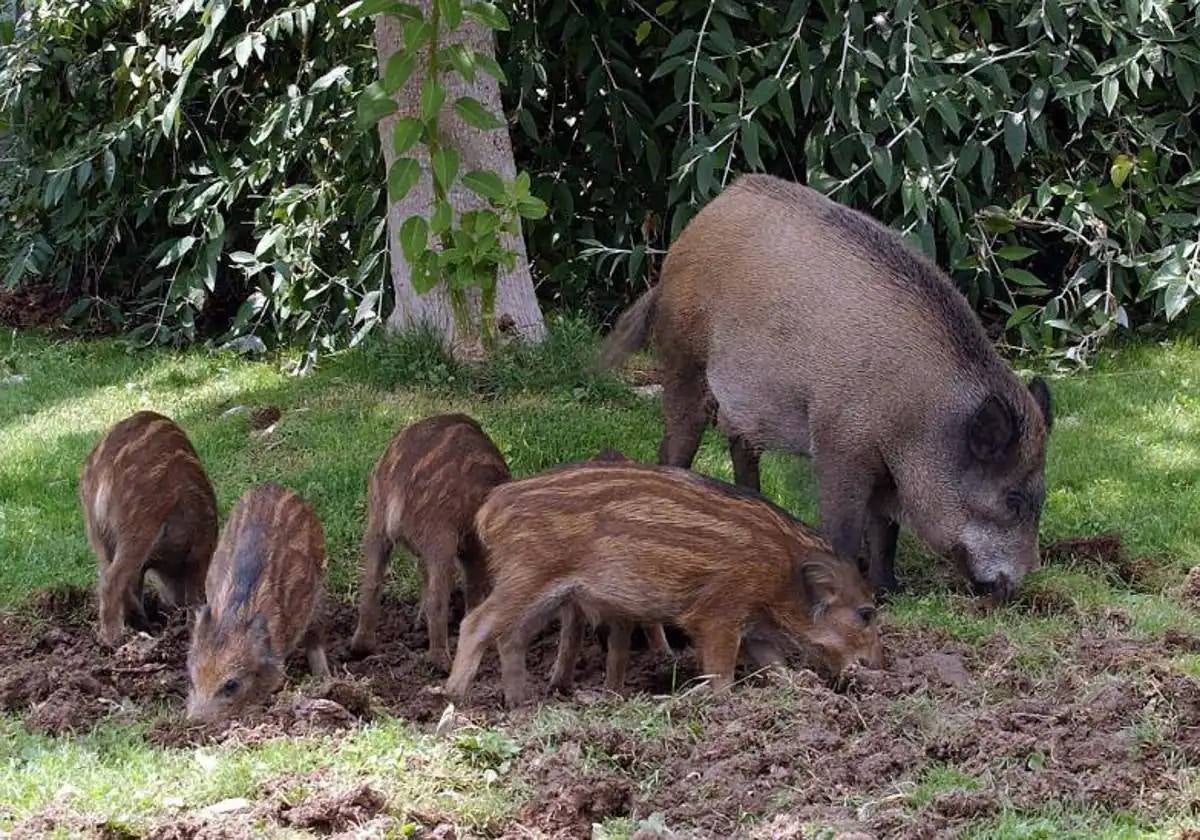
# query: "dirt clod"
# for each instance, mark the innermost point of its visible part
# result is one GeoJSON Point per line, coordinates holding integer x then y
{"type": "Point", "coordinates": [265, 417]}
{"type": "Point", "coordinates": [330, 811]}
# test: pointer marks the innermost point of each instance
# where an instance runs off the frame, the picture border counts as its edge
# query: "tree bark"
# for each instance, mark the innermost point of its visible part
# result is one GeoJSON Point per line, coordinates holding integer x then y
{"type": "Point", "coordinates": [516, 302]}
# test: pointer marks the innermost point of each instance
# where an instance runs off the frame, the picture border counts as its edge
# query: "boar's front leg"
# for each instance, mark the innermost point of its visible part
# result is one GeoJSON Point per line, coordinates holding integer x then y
{"type": "Point", "coordinates": [844, 490]}
{"type": "Point", "coordinates": [377, 551]}
{"type": "Point", "coordinates": [718, 643]}
{"type": "Point", "coordinates": [314, 648]}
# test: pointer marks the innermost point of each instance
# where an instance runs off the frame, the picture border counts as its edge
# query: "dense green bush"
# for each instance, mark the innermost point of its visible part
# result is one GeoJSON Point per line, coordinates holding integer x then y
{"type": "Point", "coordinates": [1045, 151]}
{"type": "Point", "coordinates": [194, 165]}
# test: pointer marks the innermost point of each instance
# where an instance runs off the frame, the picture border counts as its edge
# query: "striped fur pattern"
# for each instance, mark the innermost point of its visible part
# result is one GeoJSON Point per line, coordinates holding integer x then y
{"type": "Point", "coordinates": [265, 596]}
{"type": "Point", "coordinates": [630, 543]}
{"type": "Point", "coordinates": [148, 507]}
{"type": "Point", "coordinates": [423, 495]}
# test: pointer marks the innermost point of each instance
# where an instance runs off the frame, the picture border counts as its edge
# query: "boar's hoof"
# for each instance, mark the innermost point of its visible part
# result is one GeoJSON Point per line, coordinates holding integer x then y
{"type": "Point", "coordinates": [362, 646]}
{"type": "Point", "coordinates": [439, 659]}
{"type": "Point", "coordinates": [518, 696]}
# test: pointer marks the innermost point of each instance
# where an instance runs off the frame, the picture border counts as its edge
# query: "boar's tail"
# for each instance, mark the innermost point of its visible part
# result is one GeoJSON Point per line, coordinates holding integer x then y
{"type": "Point", "coordinates": [632, 331]}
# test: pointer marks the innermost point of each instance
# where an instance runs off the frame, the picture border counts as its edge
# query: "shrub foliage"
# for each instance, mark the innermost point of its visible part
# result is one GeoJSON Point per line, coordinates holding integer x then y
{"type": "Point", "coordinates": [196, 163]}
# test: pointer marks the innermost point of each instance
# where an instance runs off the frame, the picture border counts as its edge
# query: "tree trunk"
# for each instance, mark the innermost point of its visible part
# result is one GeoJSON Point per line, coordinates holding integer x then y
{"type": "Point", "coordinates": [516, 303]}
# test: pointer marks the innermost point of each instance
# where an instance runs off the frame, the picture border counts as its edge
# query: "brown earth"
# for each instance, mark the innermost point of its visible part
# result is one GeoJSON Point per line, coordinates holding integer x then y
{"type": "Point", "coordinates": [33, 305]}
{"type": "Point", "coordinates": [1107, 724]}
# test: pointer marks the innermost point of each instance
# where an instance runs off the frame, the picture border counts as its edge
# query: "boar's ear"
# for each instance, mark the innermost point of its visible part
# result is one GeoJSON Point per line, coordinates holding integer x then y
{"type": "Point", "coordinates": [992, 431]}
{"type": "Point", "coordinates": [818, 583]}
{"type": "Point", "coordinates": [260, 636]}
{"type": "Point", "coordinates": [1041, 395]}
{"type": "Point", "coordinates": [203, 622]}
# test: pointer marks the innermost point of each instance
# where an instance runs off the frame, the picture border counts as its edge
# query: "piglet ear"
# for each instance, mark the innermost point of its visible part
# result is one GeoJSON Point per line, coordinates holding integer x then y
{"type": "Point", "coordinates": [203, 624]}
{"type": "Point", "coordinates": [260, 636]}
{"type": "Point", "coordinates": [818, 583]}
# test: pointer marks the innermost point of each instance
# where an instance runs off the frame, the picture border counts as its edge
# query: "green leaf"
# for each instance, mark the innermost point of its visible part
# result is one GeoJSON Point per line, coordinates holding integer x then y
{"type": "Point", "coordinates": [402, 177]}
{"type": "Point", "coordinates": [1022, 277]}
{"type": "Point", "coordinates": [1015, 252]}
{"type": "Point", "coordinates": [177, 251]}
{"type": "Point", "coordinates": [786, 108]}
{"type": "Point", "coordinates": [414, 238]}
{"type": "Point", "coordinates": [472, 112]}
{"type": "Point", "coordinates": [374, 103]}
{"type": "Point", "coordinates": [525, 120]}
{"type": "Point", "coordinates": [485, 184]}
{"type": "Point", "coordinates": [1122, 165]}
{"type": "Point", "coordinates": [399, 69]}
{"type": "Point", "coordinates": [643, 32]}
{"type": "Point", "coordinates": [750, 145]}
{"type": "Point", "coordinates": [406, 133]}
{"type": "Point", "coordinates": [1185, 78]}
{"type": "Point", "coordinates": [1108, 92]}
{"type": "Point", "coordinates": [881, 162]}
{"type": "Point", "coordinates": [444, 164]}
{"type": "Point", "coordinates": [1022, 313]}
{"type": "Point", "coordinates": [490, 66]}
{"type": "Point", "coordinates": [462, 59]}
{"type": "Point", "coordinates": [368, 8]}
{"type": "Point", "coordinates": [488, 15]}
{"type": "Point", "coordinates": [762, 93]}
{"type": "Point", "coordinates": [452, 13]}
{"type": "Point", "coordinates": [433, 96]}
{"type": "Point", "coordinates": [1014, 137]}
{"type": "Point", "coordinates": [531, 208]}
{"type": "Point", "coordinates": [440, 219]}
{"type": "Point", "coordinates": [1177, 297]}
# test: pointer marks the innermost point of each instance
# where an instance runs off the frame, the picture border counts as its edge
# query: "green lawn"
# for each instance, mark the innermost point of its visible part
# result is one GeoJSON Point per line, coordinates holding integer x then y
{"type": "Point", "coordinates": [1124, 457]}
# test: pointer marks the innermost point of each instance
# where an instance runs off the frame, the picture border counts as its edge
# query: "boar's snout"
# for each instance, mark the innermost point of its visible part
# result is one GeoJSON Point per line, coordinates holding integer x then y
{"type": "Point", "coordinates": [1001, 588]}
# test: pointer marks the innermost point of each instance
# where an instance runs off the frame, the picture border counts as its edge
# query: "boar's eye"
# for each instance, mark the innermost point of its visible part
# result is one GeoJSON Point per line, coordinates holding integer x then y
{"type": "Point", "coordinates": [866, 614]}
{"type": "Point", "coordinates": [230, 688]}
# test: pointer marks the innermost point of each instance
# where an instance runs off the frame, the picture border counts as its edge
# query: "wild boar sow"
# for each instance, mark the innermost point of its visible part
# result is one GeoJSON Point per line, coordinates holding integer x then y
{"type": "Point", "coordinates": [265, 595]}
{"type": "Point", "coordinates": [628, 543]}
{"type": "Point", "coordinates": [423, 495]}
{"type": "Point", "coordinates": [799, 324]}
{"type": "Point", "coordinates": [148, 507]}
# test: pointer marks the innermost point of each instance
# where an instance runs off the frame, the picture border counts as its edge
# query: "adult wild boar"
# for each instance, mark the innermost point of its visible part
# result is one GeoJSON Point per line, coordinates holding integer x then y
{"type": "Point", "coordinates": [799, 324]}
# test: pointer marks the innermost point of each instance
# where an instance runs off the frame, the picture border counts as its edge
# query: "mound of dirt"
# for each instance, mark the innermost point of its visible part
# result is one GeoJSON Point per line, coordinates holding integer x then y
{"type": "Point", "coordinates": [326, 812]}
{"type": "Point", "coordinates": [799, 747]}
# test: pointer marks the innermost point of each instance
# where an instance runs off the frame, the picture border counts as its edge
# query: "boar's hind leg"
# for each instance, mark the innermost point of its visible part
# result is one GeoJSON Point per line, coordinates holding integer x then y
{"type": "Point", "coordinates": [377, 551]}
{"type": "Point", "coordinates": [882, 533]}
{"type": "Point", "coordinates": [570, 639]}
{"type": "Point", "coordinates": [476, 633]}
{"type": "Point", "coordinates": [121, 589]}
{"type": "Point", "coordinates": [439, 561]}
{"type": "Point", "coordinates": [314, 648]}
{"type": "Point", "coordinates": [619, 633]}
{"type": "Point", "coordinates": [656, 639]}
{"type": "Point", "coordinates": [745, 457]}
{"type": "Point", "coordinates": [686, 410]}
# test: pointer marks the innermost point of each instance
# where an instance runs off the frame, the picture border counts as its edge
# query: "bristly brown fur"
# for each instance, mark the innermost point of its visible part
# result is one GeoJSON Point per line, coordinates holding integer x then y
{"type": "Point", "coordinates": [629, 543]}
{"type": "Point", "coordinates": [797, 324]}
{"type": "Point", "coordinates": [265, 592]}
{"type": "Point", "coordinates": [423, 495]}
{"type": "Point", "coordinates": [148, 506]}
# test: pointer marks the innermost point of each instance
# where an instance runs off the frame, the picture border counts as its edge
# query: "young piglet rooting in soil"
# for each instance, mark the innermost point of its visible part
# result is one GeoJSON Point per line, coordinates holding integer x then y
{"type": "Point", "coordinates": [629, 543]}
{"type": "Point", "coordinates": [148, 507]}
{"type": "Point", "coordinates": [265, 592]}
{"type": "Point", "coordinates": [423, 494]}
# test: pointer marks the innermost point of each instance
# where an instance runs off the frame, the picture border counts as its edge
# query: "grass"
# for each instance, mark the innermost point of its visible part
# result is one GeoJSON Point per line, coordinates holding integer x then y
{"type": "Point", "coordinates": [1125, 456]}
